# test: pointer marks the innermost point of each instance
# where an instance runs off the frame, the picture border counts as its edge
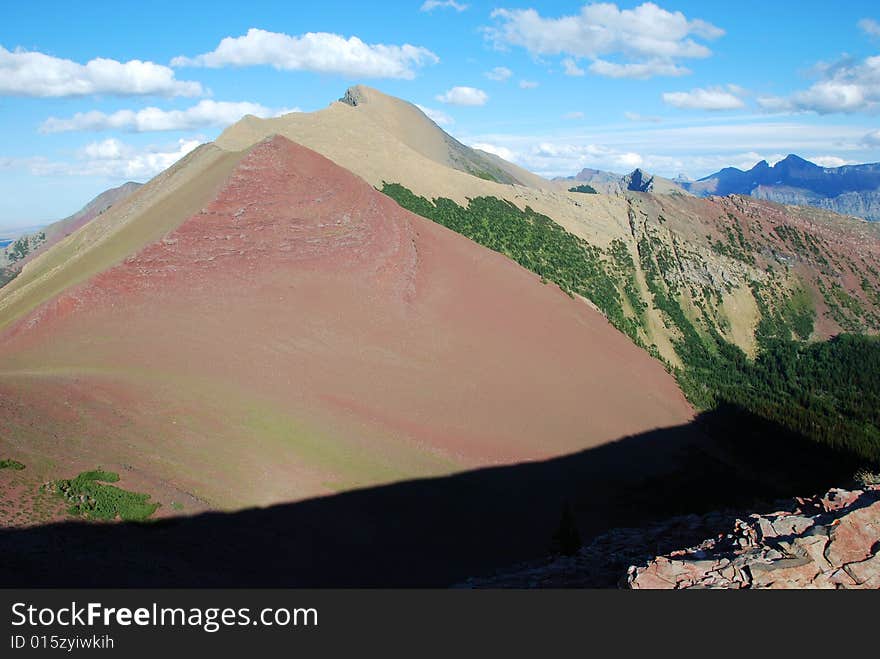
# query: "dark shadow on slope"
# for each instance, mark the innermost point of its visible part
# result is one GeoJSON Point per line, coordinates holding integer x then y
{"type": "Point", "coordinates": [434, 532]}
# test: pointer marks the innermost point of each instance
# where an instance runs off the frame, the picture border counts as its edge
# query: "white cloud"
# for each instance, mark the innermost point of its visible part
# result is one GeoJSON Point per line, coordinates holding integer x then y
{"type": "Point", "coordinates": [571, 68]}
{"type": "Point", "coordinates": [872, 139]}
{"type": "Point", "coordinates": [110, 159]}
{"type": "Point", "coordinates": [437, 116]}
{"type": "Point", "coordinates": [830, 161]}
{"type": "Point", "coordinates": [204, 114]}
{"type": "Point", "coordinates": [648, 37]}
{"type": "Point", "coordinates": [846, 86]}
{"type": "Point", "coordinates": [712, 98]}
{"type": "Point", "coordinates": [641, 118]}
{"type": "Point", "coordinates": [571, 116]}
{"type": "Point", "coordinates": [464, 96]}
{"type": "Point", "coordinates": [528, 84]}
{"type": "Point", "coordinates": [565, 158]}
{"type": "Point", "coordinates": [319, 52]}
{"type": "Point", "coordinates": [114, 159]}
{"type": "Point", "coordinates": [499, 74]}
{"type": "Point", "coordinates": [499, 151]}
{"type": "Point", "coordinates": [31, 73]}
{"type": "Point", "coordinates": [870, 27]}
{"type": "Point", "coordinates": [638, 71]}
{"type": "Point", "coordinates": [431, 5]}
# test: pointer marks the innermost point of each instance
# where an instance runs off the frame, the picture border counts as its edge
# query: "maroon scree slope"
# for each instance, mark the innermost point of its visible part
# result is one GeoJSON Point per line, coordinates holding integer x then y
{"type": "Point", "coordinates": [302, 335]}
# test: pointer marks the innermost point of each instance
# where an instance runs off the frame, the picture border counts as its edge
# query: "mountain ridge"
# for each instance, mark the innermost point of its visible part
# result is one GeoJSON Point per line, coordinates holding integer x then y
{"type": "Point", "coordinates": [371, 322]}
{"type": "Point", "coordinates": [27, 246]}
{"type": "Point", "coordinates": [849, 190]}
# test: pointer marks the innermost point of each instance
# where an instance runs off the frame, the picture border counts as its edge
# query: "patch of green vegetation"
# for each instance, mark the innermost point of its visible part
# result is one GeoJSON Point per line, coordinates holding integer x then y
{"type": "Point", "coordinates": [483, 174]}
{"type": "Point", "coordinates": [803, 243]}
{"type": "Point", "coordinates": [7, 275]}
{"type": "Point", "coordinates": [24, 246]}
{"type": "Point", "coordinates": [870, 291]}
{"type": "Point", "coordinates": [15, 465]}
{"type": "Point", "coordinates": [847, 310]}
{"type": "Point", "coordinates": [625, 270]}
{"type": "Point", "coordinates": [89, 496]}
{"type": "Point", "coordinates": [584, 189]}
{"type": "Point", "coordinates": [176, 505]}
{"type": "Point", "coordinates": [735, 245]}
{"type": "Point", "coordinates": [793, 316]}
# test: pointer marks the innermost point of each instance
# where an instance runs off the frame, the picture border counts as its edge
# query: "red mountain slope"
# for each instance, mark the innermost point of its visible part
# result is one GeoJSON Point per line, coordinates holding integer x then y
{"type": "Point", "coordinates": [303, 334]}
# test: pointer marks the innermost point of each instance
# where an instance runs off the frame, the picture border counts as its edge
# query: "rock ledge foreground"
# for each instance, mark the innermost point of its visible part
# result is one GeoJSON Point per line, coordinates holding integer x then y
{"type": "Point", "coordinates": [829, 542]}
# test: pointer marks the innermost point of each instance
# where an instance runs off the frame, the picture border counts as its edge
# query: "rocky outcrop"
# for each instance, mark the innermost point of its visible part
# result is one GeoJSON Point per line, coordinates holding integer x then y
{"type": "Point", "coordinates": [864, 204]}
{"type": "Point", "coordinates": [830, 542]}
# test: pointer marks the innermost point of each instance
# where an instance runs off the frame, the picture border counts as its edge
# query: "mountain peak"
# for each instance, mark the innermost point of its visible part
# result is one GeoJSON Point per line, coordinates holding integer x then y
{"type": "Point", "coordinates": [792, 159]}
{"type": "Point", "coordinates": [358, 95]}
{"type": "Point", "coordinates": [640, 181]}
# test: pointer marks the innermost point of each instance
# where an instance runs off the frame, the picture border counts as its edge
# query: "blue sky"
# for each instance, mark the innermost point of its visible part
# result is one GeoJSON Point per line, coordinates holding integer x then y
{"type": "Point", "coordinates": [93, 94]}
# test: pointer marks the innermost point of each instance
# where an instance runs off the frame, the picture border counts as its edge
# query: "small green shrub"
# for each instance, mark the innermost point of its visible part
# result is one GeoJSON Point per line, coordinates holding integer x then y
{"type": "Point", "coordinates": [90, 497]}
{"type": "Point", "coordinates": [867, 478]}
{"type": "Point", "coordinates": [567, 538]}
{"type": "Point", "coordinates": [11, 464]}
{"type": "Point", "coordinates": [584, 189]}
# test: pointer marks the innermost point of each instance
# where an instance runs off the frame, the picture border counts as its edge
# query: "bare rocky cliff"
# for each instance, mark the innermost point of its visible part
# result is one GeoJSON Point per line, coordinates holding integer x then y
{"type": "Point", "coordinates": [865, 204]}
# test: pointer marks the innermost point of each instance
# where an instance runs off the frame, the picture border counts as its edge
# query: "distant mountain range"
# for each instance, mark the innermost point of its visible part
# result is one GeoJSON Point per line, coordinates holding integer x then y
{"type": "Point", "coordinates": [849, 190]}
{"type": "Point", "coordinates": [637, 181]}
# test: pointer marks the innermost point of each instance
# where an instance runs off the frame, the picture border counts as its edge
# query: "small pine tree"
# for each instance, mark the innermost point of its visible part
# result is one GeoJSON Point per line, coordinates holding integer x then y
{"type": "Point", "coordinates": [566, 539]}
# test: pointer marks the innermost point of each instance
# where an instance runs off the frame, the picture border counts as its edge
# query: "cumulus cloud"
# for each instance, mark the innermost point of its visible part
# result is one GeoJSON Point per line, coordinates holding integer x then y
{"type": "Point", "coordinates": [571, 68]}
{"type": "Point", "coordinates": [830, 161]}
{"type": "Point", "coordinates": [319, 52]}
{"type": "Point", "coordinates": [110, 159]}
{"type": "Point", "coordinates": [574, 157]}
{"type": "Point", "coordinates": [648, 37]}
{"type": "Point", "coordinates": [115, 159]}
{"type": "Point", "coordinates": [870, 27]}
{"type": "Point", "coordinates": [206, 113]}
{"type": "Point", "coordinates": [846, 87]}
{"type": "Point", "coordinates": [464, 96]}
{"type": "Point", "coordinates": [431, 5]}
{"type": "Point", "coordinates": [31, 73]}
{"type": "Point", "coordinates": [499, 74]}
{"type": "Point", "coordinates": [712, 98]}
{"type": "Point", "coordinates": [437, 116]}
{"type": "Point", "coordinates": [528, 84]}
{"type": "Point", "coordinates": [500, 151]}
